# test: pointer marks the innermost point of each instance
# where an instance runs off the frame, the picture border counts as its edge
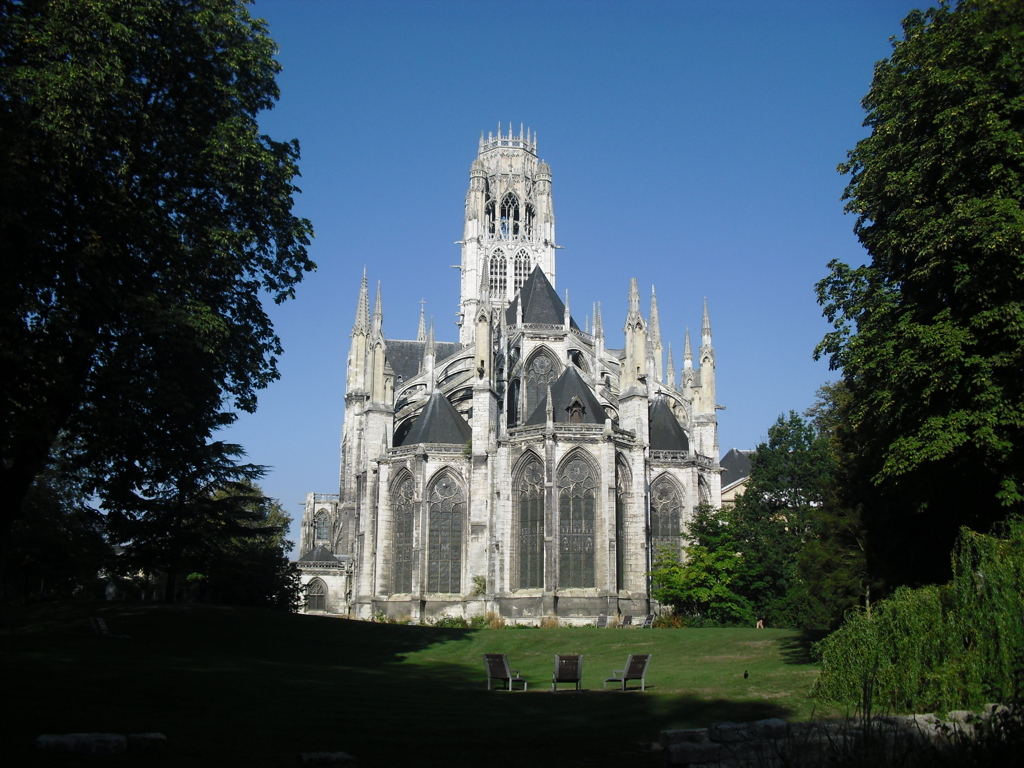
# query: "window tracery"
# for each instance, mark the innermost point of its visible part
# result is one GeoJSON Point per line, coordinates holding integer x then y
{"type": "Point", "coordinates": [541, 371]}
{"type": "Point", "coordinates": [529, 494]}
{"type": "Point", "coordinates": [316, 595]}
{"type": "Point", "coordinates": [510, 215]}
{"type": "Point", "coordinates": [497, 273]}
{"type": "Point", "coordinates": [577, 500]}
{"type": "Point", "coordinates": [444, 542]}
{"type": "Point", "coordinates": [401, 540]}
{"type": "Point", "coordinates": [621, 489]}
{"type": "Point", "coordinates": [521, 269]}
{"type": "Point", "coordinates": [666, 513]}
{"type": "Point", "coordinates": [322, 526]}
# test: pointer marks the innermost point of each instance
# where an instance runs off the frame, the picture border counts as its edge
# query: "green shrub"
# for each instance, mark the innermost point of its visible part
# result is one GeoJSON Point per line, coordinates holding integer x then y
{"type": "Point", "coordinates": [448, 622]}
{"type": "Point", "coordinates": [937, 648]}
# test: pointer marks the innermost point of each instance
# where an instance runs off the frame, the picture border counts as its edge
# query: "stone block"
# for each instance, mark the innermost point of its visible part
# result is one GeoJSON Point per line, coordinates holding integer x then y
{"type": "Point", "coordinates": [728, 733]}
{"type": "Point", "coordinates": [83, 743]}
{"type": "Point", "coordinates": [692, 735]}
{"type": "Point", "coordinates": [961, 716]}
{"type": "Point", "coordinates": [688, 753]}
{"type": "Point", "coordinates": [146, 742]}
{"type": "Point", "coordinates": [771, 728]}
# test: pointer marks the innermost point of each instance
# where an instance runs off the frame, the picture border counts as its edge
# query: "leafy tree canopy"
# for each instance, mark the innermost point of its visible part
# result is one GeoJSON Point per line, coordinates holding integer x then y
{"type": "Point", "coordinates": [930, 334]}
{"type": "Point", "coordinates": [143, 213]}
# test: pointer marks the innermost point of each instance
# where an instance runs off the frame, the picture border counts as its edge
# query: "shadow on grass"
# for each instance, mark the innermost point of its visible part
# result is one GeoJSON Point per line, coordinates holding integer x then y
{"type": "Point", "coordinates": [238, 687]}
{"type": "Point", "coordinates": [796, 649]}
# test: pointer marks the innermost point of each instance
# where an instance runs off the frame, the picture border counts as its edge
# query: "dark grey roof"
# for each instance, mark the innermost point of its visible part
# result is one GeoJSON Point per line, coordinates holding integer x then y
{"type": "Point", "coordinates": [406, 357]}
{"type": "Point", "coordinates": [439, 422]}
{"type": "Point", "coordinates": [666, 433]}
{"type": "Point", "coordinates": [568, 386]}
{"type": "Point", "coordinates": [540, 302]}
{"type": "Point", "coordinates": [319, 554]}
{"type": "Point", "coordinates": [735, 466]}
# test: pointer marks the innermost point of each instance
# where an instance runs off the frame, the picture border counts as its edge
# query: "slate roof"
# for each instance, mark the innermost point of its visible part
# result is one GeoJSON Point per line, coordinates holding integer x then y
{"type": "Point", "coordinates": [735, 466]}
{"type": "Point", "coordinates": [566, 387]}
{"type": "Point", "coordinates": [666, 433]}
{"type": "Point", "coordinates": [540, 302]}
{"type": "Point", "coordinates": [406, 357]}
{"type": "Point", "coordinates": [319, 554]}
{"type": "Point", "coordinates": [439, 422]}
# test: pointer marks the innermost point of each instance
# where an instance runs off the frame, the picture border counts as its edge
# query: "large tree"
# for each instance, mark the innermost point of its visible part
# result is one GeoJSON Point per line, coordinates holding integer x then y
{"type": "Point", "coordinates": [930, 334]}
{"type": "Point", "coordinates": [141, 215]}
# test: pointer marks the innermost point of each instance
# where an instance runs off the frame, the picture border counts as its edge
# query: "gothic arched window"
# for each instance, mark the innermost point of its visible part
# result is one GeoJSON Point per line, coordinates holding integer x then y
{"type": "Point", "coordinates": [529, 500]}
{"type": "Point", "coordinates": [316, 595]}
{"type": "Point", "coordinates": [510, 215]}
{"type": "Point", "coordinates": [521, 269]}
{"type": "Point", "coordinates": [540, 371]}
{"type": "Point", "coordinates": [622, 483]}
{"type": "Point", "coordinates": [666, 512]}
{"type": "Point", "coordinates": [322, 526]}
{"type": "Point", "coordinates": [444, 541]}
{"type": "Point", "coordinates": [401, 539]}
{"type": "Point", "coordinates": [497, 273]}
{"type": "Point", "coordinates": [577, 499]}
{"type": "Point", "coordinates": [512, 413]}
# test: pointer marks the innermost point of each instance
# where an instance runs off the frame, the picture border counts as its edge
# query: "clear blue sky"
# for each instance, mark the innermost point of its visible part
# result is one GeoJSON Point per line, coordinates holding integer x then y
{"type": "Point", "coordinates": [693, 145]}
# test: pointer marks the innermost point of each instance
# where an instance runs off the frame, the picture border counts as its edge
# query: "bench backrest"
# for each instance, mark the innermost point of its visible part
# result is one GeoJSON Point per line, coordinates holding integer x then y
{"type": "Point", "coordinates": [627, 620]}
{"type": "Point", "coordinates": [602, 621]}
{"type": "Point", "coordinates": [497, 666]}
{"type": "Point", "coordinates": [636, 666]}
{"type": "Point", "coordinates": [568, 668]}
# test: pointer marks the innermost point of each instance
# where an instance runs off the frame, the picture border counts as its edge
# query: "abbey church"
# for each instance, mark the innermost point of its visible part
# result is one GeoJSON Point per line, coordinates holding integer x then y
{"type": "Point", "coordinates": [527, 469]}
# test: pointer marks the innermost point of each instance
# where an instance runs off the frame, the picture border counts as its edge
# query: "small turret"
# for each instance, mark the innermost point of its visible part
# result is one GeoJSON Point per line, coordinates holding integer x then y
{"type": "Point", "coordinates": [655, 336]}
{"type": "Point", "coordinates": [670, 378]}
{"type": "Point", "coordinates": [634, 367]}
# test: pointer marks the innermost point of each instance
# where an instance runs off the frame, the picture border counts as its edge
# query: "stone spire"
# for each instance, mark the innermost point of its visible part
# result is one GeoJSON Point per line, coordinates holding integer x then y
{"type": "Point", "coordinates": [670, 377]}
{"type": "Point", "coordinates": [378, 315]}
{"type": "Point", "coordinates": [655, 338]}
{"type": "Point", "coordinates": [598, 322]}
{"type": "Point", "coordinates": [705, 329]}
{"type": "Point", "coordinates": [421, 334]}
{"type": "Point", "coordinates": [567, 316]}
{"type": "Point", "coordinates": [429, 356]}
{"type": "Point", "coordinates": [634, 366]}
{"type": "Point", "coordinates": [362, 323]}
{"type": "Point", "coordinates": [687, 353]}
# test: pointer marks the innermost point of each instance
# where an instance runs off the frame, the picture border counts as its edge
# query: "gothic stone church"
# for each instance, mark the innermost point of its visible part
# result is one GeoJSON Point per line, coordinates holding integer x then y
{"type": "Point", "coordinates": [527, 469]}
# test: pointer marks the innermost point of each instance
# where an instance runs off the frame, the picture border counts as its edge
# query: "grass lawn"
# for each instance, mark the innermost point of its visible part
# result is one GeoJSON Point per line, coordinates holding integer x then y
{"type": "Point", "coordinates": [232, 686]}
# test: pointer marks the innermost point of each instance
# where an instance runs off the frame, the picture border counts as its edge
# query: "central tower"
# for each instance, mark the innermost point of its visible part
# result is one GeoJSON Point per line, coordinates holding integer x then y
{"type": "Point", "coordinates": [510, 223]}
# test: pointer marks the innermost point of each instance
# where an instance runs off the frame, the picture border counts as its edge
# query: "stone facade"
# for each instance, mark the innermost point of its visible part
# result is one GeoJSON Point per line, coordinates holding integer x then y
{"type": "Point", "coordinates": [526, 469]}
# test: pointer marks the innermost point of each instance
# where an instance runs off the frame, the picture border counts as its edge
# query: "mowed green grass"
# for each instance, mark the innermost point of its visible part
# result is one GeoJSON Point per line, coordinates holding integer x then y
{"type": "Point", "coordinates": [232, 686]}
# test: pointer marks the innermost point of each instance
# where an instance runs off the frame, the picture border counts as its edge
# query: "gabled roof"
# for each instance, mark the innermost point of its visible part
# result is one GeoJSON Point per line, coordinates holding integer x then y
{"type": "Point", "coordinates": [405, 357]}
{"type": "Point", "coordinates": [540, 302]}
{"type": "Point", "coordinates": [439, 422]}
{"type": "Point", "coordinates": [735, 466]}
{"type": "Point", "coordinates": [666, 433]}
{"type": "Point", "coordinates": [566, 388]}
{"type": "Point", "coordinates": [319, 554]}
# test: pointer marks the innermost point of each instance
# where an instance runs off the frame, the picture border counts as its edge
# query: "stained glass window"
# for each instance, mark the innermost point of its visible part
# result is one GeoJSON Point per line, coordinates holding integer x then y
{"type": "Point", "coordinates": [621, 489]}
{"type": "Point", "coordinates": [576, 505]}
{"type": "Point", "coordinates": [666, 509]}
{"type": "Point", "coordinates": [322, 526]}
{"type": "Point", "coordinates": [316, 596]}
{"type": "Point", "coordinates": [530, 497]}
{"type": "Point", "coordinates": [444, 545]}
{"type": "Point", "coordinates": [540, 372]}
{"type": "Point", "coordinates": [401, 539]}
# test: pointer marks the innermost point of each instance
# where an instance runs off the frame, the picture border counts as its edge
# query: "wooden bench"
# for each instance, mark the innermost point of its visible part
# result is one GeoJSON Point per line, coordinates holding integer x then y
{"type": "Point", "coordinates": [568, 669]}
{"type": "Point", "coordinates": [602, 622]}
{"type": "Point", "coordinates": [636, 669]}
{"type": "Point", "coordinates": [648, 621]}
{"type": "Point", "coordinates": [627, 621]}
{"type": "Point", "coordinates": [497, 669]}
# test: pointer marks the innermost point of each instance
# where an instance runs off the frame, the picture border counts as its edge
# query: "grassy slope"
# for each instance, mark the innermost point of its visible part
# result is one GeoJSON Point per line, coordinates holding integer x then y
{"type": "Point", "coordinates": [245, 687]}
